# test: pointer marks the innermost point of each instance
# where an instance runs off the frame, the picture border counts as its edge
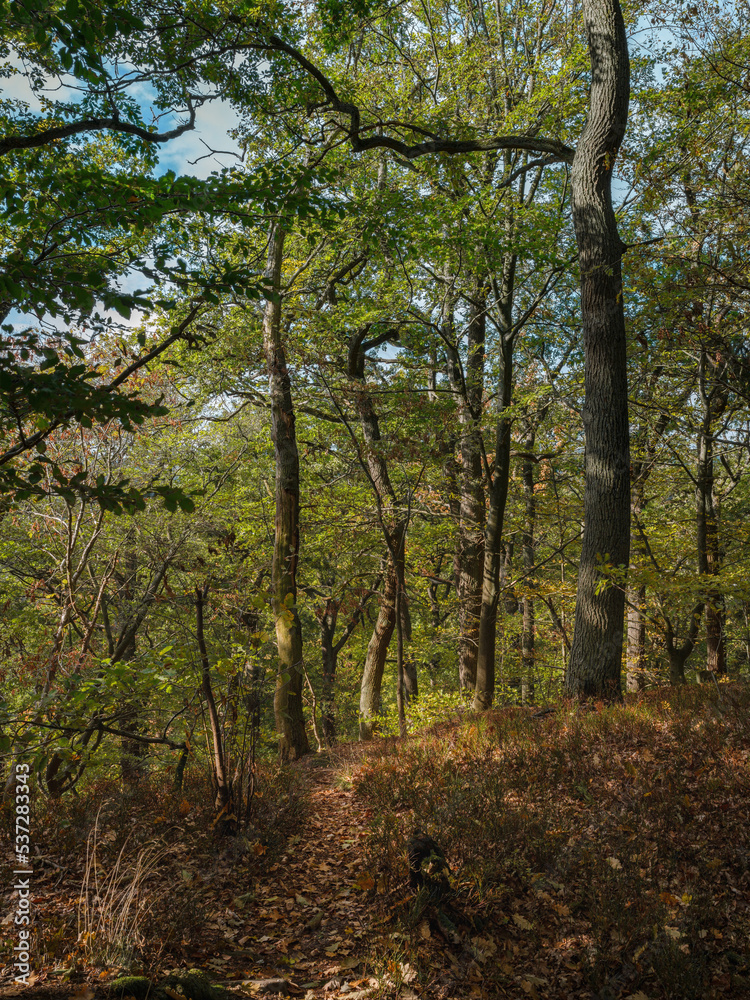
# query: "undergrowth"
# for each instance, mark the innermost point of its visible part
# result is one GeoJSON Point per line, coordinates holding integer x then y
{"type": "Point", "coordinates": [145, 859]}
{"type": "Point", "coordinates": [612, 834]}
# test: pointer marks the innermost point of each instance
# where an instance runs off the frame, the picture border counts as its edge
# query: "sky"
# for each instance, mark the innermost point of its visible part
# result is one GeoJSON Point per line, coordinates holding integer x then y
{"type": "Point", "coordinates": [191, 153]}
{"type": "Point", "coordinates": [186, 154]}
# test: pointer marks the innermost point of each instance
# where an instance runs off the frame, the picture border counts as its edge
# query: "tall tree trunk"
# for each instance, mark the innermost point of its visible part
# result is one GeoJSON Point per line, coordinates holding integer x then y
{"type": "Point", "coordinates": [218, 762]}
{"type": "Point", "coordinates": [469, 386]}
{"type": "Point", "coordinates": [707, 523]}
{"type": "Point", "coordinates": [596, 655]}
{"type": "Point", "coordinates": [636, 603]}
{"type": "Point", "coordinates": [370, 701]}
{"type": "Point", "coordinates": [527, 542]}
{"type": "Point", "coordinates": [498, 495]}
{"type": "Point", "coordinates": [678, 655]}
{"type": "Point", "coordinates": [394, 527]}
{"type": "Point", "coordinates": [644, 448]}
{"type": "Point", "coordinates": [287, 704]}
{"type": "Point", "coordinates": [330, 658]}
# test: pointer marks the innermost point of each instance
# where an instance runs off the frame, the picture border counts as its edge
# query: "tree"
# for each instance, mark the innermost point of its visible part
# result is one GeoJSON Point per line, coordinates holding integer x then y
{"type": "Point", "coordinates": [595, 663]}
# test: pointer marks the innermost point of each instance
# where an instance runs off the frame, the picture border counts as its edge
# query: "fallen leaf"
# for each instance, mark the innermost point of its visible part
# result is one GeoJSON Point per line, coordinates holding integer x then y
{"type": "Point", "coordinates": [365, 881]}
{"type": "Point", "coordinates": [84, 992]}
{"type": "Point", "coordinates": [522, 922]}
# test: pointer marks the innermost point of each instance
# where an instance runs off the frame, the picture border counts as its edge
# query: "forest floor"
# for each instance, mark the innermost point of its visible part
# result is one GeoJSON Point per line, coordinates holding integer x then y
{"type": "Point", "coordinates": [594, 854]}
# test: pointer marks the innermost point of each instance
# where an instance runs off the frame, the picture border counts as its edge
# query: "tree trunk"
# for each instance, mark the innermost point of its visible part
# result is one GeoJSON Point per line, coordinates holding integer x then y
{"type": "Point", "coordinates": [707, 522]}
{"type": "Point", "coordinates": [596, 655]}
{"type": "Point", "coordinates": [411, 679]}
{"type": "Point", "coordinates": [470, 553]}
{"type": "Point", "coordinates": [485, 685]}
{"type": "Point", "coordinates": [393, 526]}
{"type": "Point", "coordinates": [678, 654]}
{"type": "Point", "coordinates": [636, 652]}
{"type": "Point", "coordinates": [223, 799]}
{"type": "Point", "coordinates": [330, 658]}
{"type": "Point", "coordinates": [527, 542]}
{"type": "Point", "coordinates": [372, 676]}
{"type": "Point", "coordinates": [287, 704]}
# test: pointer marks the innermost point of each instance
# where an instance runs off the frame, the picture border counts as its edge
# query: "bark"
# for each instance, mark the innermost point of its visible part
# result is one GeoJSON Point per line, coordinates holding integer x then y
{"type": "Point", "coordinates": [498, 496]}
{"type": "Point", "coordinates": [645, 444]}
{"type": "Point", "coordinates": [636, 601]}
{"type": "Point", "coordinates": [330, 652]}
{"type": "Point", "coordinates": [372, 676]}
{"type": "Point", "coordinates": [528, 551]}
{"type": "Point", "coordinates": [636, 651]}
{"type": "Point", "coordinates": [470, 552]}
{"type": "Point", "coordinates": [290, 721]}
{"type": "Point", "coordinates": [596, 655]}
{"type": "Point", "coordinates": [678, 654]}
{"type": "Point", "coordinates": [218, 761]}
{"type": "Point", "coordinates": [411, 679]}
{"type": "Point", "coordinates": [393, 524]}
{"type": "Point", "coordinates": [330, 662]}
{"type": "Point", "coordinates": [710, 557]}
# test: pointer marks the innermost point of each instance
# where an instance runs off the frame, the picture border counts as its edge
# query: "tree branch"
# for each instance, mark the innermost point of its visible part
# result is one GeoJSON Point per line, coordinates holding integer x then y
{"type": "Point", "coordinates": [114, 124]}
{"type": "Point", "coordinates": [558, 151]}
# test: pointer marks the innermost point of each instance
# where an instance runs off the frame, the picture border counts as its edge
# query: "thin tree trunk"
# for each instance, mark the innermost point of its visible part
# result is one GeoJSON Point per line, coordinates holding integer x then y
{"type": "Point", "coordinates": [678, 655]}
{"type": "Point", "coordinates": [596, 656]}
{"type": "Point", "coordinates": [394, 527]}
{"type": "Point", "coordinates": [290, 721]}
{"type": "Point", "coordinates": [707, 523]}
{"type": "Point", "coordinates": [636, 651]}
{"type": "Point", "coordinates": [470, 551]}
{"type": "Point", "coordinates": [498, 496]}
{"type": "Point", "coordinates": [370, 702]}
{"type": "Point", "coordinates": [528, 636]}
{"type": "Point", "coordinates": [400, 666]}
{"type": "Point", "coordinates": [330, 658]}
{"type": "Point", "coordinates": [218, 762]}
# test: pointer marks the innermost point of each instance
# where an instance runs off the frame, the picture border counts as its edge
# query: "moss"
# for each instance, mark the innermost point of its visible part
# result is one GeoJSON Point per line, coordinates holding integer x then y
{"type": "Point", "coordinates": [192, 984]}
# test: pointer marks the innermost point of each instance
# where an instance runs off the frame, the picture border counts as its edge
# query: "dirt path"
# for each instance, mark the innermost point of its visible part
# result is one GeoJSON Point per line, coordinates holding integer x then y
{"type": "Point", "coordinates": [314, 900]}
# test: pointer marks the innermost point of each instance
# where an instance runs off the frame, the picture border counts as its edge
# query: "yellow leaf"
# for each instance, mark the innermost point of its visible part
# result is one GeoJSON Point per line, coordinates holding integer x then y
{"type": "Point", "coordinates": [614, 863]}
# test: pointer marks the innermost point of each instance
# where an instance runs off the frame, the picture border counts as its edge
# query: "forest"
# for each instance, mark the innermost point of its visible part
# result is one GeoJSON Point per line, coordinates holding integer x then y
{"type": "Point", "coordinates": [374, 421]}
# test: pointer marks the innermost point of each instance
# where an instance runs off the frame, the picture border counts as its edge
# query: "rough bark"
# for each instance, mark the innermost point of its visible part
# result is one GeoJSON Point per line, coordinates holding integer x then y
{"type": "Point", "coordinates": [394, 525]}
{"type": "Point", "coordinates": [370, 701]}
{"type": "Point", "coordinates": [469, 387]}
{"type": "Point", "coordinates": [218, 760]}
{"type": "Point", "coordinates": [528, 633]}
{"type": "Point", "coordinates": [645, 444]}
{"type": "Point", "coordinates": [596, 655]}
{"type": "Point", "coordinates": [710, 557]}
{"type": "Point", "coordinates": [498, 496]}
{"type": "Point", "coordinates": [330, 649]}
{"type": "Point", "coordinates": [330, 662]}
{"type": "Point", "coordinates": [290, 721]}
{"type": "Point", "coordinates": [678, 655]}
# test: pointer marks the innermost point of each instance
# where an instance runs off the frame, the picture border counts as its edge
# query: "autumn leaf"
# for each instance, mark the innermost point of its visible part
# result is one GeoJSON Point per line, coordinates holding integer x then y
{"type": "Point", "coordinates": [365, 881]}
